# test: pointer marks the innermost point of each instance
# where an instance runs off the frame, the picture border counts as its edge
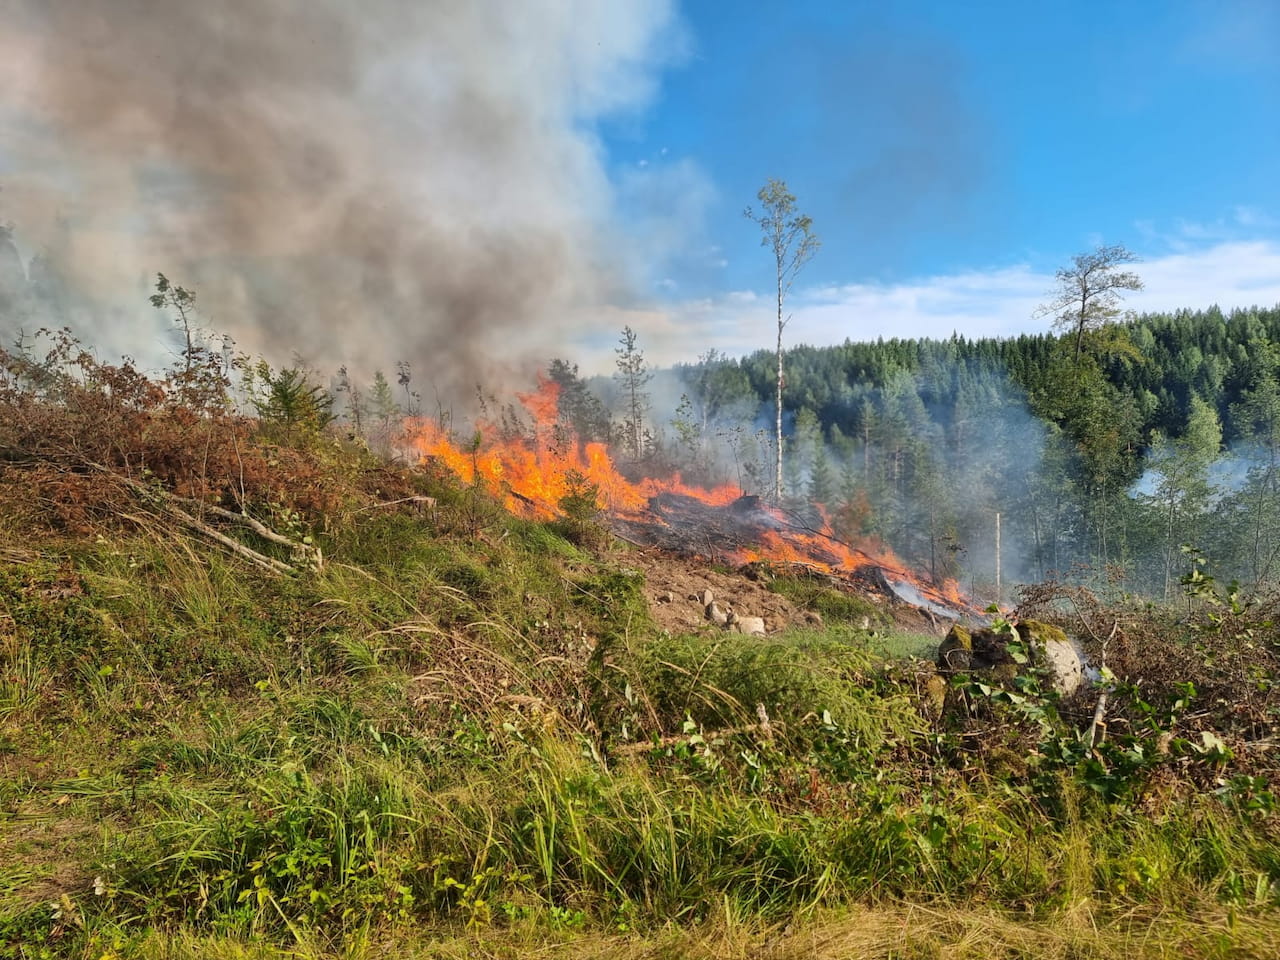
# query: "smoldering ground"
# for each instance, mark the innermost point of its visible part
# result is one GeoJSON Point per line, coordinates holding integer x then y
{"type": "Point", "coordinates": [398, 179]}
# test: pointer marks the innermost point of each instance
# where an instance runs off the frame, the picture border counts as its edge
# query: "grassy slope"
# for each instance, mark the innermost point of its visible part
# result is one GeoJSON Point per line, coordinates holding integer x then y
{"type": "Point", "coordinates": [435, 746]}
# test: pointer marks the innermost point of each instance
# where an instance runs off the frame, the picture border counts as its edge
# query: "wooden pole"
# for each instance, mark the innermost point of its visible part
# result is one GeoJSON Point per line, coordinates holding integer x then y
{"type": "Point", "coordinates": [998, 597]}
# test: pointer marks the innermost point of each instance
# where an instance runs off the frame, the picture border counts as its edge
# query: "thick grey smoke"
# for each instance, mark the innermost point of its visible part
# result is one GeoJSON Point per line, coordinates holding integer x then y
{"type": "Point", "coordinates": [394, 179]}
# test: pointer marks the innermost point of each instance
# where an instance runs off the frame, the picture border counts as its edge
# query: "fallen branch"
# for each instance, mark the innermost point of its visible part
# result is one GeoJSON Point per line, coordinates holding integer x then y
{"type": "Point", "coordinates": [241, 518]}
{"type": "Point", "coordinates": [1099, 722]}
{"type": "Point", "coordinates": [767, 730]}
{"type": "Point", "coordinates": [1100, 708]}
{"type": "Point", "coordinates": [235, 546]}
{"type": "Point", "coordinates": [421, 502]}
{"type": "Point", "coordinates": [170, 503]}
{"type": "Point", "coordinates": [624, 539]}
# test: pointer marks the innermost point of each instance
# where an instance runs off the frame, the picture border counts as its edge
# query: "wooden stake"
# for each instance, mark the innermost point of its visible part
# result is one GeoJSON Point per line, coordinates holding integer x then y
{"type": "Point", "coordinates": [998, 597]}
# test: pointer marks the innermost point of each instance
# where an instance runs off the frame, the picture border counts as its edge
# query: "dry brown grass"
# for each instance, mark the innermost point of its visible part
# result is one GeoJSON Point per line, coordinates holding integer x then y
{"type": "Point", "coordinates": [1079, 932]}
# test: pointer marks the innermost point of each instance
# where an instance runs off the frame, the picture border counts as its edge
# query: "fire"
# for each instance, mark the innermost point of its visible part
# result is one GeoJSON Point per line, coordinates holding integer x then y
{"type": "Point", "coordinates": [534, 473]}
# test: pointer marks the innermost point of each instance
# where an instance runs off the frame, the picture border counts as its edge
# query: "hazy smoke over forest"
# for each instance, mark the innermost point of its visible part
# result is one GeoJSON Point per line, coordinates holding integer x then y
{"type": "Point", "coordinates": [361, 183]}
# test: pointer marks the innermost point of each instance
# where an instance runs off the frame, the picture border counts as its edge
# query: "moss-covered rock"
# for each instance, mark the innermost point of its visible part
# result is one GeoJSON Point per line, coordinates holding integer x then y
{"type": "Point", "coordinates": [986, 651]}
{"type": "Point", "coordinates": [1055, 654]}
{"type": "Point", "coordinates": [934, 693]}
{"type": "Point", "coordinates": [956, 650]}
{"type": "Point", "coordinates": [1037, 631]}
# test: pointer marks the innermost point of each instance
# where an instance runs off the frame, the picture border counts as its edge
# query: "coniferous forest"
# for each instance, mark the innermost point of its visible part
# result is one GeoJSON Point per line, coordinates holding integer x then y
{"type": "Point", "coordinates": [1153, 452]}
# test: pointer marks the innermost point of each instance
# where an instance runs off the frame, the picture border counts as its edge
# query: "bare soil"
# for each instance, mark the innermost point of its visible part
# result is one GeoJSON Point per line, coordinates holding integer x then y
{"type": "Point", "coordinates": [673, 582]}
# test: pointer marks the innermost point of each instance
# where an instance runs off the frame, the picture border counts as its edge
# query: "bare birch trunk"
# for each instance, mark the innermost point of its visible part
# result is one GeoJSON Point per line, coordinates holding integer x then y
{"type": "Point", "coordinates": [777, 484]}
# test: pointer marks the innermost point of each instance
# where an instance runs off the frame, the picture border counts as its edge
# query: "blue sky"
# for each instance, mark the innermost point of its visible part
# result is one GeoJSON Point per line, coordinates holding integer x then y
{"type": "Point", "coordinates": [952, 155]}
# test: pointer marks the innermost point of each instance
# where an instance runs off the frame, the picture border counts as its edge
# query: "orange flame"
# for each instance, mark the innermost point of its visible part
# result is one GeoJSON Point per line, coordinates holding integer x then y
{"type": "Point", "coordinates": [534, 473]}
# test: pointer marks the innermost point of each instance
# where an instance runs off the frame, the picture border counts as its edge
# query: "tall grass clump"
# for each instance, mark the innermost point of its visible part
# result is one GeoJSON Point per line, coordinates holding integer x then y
{"type": "Point", "coordinates": [724, 681]}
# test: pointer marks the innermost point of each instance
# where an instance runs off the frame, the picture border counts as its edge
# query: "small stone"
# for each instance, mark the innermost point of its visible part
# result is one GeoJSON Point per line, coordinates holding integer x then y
{"type": "Point", "coordinates": [666, 597]}
{"type": "Point", "coordinates": [716, 615]}
{"type": "Point", "coordinates": [751, 626]}
{"type": "Point", "coordinates": [706, 597]}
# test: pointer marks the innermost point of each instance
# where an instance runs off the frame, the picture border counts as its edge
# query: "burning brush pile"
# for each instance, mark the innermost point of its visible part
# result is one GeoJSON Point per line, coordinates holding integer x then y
{"type": "Point", "coordinates": [535, 472]}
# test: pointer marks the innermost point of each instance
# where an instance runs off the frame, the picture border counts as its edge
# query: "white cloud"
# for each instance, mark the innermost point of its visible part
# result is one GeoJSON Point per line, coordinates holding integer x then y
{"type": "Point", "coordinates": [999, 302]}
{"type": "Point", "coordinates": [1255, 218]}
{"type": "Point", "coordinates": [1232, 274]}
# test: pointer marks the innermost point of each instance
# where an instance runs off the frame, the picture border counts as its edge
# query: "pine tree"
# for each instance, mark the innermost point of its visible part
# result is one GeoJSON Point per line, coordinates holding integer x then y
{"type": "Point", "coordinates": [357, 404]}
{"type": "Point", "coordinates": [289, 403]}
{"type": "Point", "coordinates": [579, 409]}
{"type": "Point", "coordinates": [632, 375]}
{"type": "Point", "coordinates": [383, 408]}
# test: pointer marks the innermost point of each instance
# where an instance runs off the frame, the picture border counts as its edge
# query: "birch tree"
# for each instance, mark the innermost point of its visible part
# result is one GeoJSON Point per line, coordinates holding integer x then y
{"type": "Point", "coordinates": [789, 236]}
{"type": "Point", "coordinates": [1089, 291]}
{"type": "Point", "coordinates": [1183, 489]}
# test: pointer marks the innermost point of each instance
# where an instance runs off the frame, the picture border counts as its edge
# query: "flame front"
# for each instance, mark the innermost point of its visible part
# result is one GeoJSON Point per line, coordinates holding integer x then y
{"type": "Point", "coordinates": [534, 473]}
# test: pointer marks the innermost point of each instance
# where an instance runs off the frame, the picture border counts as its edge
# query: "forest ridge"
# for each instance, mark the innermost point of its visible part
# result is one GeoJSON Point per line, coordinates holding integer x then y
{"type": "Point", "coordinates": [1163, 432]}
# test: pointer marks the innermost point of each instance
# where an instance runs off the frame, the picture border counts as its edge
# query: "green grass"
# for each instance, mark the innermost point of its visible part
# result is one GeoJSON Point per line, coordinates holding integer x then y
{"type": "Point", "coordinates": [836, 606]}
{"type": "Point", "coordinates": [898, 644]}
{"type": "Point", "coordinates": [466, 743]}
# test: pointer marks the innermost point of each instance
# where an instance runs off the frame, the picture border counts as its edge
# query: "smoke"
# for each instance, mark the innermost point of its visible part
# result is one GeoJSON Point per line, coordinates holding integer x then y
{"type": "Point", "coordinates": [360, 183]}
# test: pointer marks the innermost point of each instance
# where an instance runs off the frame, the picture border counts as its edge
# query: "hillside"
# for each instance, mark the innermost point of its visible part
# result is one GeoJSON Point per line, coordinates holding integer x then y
{"type": "Point", "coordinates": [264, 693]}
{"type": "Point", "coordinates": [1164, 431]}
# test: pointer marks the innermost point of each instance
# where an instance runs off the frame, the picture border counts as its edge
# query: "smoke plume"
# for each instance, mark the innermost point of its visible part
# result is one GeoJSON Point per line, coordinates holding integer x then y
{"type": "Point", "coordinates": [361, 183]}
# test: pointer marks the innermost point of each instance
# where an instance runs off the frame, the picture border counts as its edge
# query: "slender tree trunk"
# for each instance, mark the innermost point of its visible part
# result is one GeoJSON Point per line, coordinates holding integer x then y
{"type": "Point", "coordinates": [635, 420]}
{"type": "Point", "coordinates": [1258, 508]}
{"type": "Point", "coordinates": [1035, 534]}
{"type": "Point", "coordinates": [933, 541]}
{"type": "Point", "coordinates": [1261, 569]}
{"type": "Point", "coordinates": [1102, 526]}
{"type": "Point", "coordinates": [1057, 523]}
{"type": "Point", "coordinates": [777, 485]}
{"type": "Point", "coordinates": [998, 584]}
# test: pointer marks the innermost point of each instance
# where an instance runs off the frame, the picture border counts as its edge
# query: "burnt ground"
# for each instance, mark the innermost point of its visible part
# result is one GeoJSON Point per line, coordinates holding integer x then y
{"type": "Point", "coordinates": [686, 545]}
{"type": "Point", "coordinates": [673, 581]}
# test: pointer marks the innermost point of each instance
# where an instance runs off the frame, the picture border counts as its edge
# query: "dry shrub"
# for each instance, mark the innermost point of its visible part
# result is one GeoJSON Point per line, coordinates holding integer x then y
{"type": "Point", "coordinates": [1211, 667]}
{"type": "Point", "coordinates": [72, 427]}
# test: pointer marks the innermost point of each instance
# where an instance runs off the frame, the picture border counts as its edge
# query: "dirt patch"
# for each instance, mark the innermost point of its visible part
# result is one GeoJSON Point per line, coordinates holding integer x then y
{"type": "Point", "coordinates": [675, 583]}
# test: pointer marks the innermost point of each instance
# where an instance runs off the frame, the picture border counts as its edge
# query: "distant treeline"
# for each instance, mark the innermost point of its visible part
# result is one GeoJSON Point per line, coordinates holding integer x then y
{"type": "Point", "coordinates": [1163, 432]}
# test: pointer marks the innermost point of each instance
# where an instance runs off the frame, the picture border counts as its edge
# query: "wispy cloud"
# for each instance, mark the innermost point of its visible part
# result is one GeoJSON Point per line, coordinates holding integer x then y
{"type": "Point", "coordinates": [999, 302]}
